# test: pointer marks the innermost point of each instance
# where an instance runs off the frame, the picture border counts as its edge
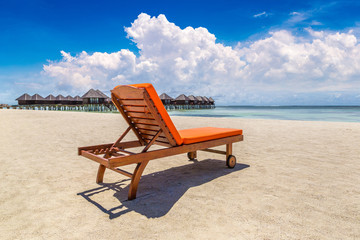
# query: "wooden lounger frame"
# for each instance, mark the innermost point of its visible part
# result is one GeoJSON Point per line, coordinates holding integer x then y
{"type": "Point", "coordinates": [144, 120]}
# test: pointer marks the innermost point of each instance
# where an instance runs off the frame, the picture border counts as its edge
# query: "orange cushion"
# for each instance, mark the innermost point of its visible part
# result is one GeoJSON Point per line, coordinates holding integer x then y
{"type": "Point", "coordinates": [161, 109]}
{"type": "Point", "coordinates": [195, 135]}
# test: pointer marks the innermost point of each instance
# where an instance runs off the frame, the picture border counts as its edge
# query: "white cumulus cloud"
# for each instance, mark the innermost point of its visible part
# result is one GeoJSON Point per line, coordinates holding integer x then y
{"type": "Point", "coordinates": [264, 14]}
{"type": "Point", "coordinates": [190, 61]}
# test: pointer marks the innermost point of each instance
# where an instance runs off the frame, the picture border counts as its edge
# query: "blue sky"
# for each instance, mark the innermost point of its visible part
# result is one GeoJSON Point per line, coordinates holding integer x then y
{"type": "Point", "coordinates": [33, 32]}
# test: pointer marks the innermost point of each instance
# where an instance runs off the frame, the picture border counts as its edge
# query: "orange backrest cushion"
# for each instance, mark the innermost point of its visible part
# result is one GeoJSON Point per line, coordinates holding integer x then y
{"type": "Point", "coordinates": [161, 109]}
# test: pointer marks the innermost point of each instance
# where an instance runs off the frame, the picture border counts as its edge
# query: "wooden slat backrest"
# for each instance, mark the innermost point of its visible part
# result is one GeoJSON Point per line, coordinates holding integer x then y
{"type": "Point", "coordinates": [141, 114]}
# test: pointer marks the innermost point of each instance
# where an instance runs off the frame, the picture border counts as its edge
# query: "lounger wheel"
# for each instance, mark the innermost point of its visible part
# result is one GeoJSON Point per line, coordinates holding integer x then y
{"type": "Point", "coordinates": [191, 155]}
{"type": "Point", "coordinates": [231, 161]}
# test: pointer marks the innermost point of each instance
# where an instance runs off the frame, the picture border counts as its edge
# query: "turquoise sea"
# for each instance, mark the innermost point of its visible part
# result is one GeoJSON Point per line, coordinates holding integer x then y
{"type": "Point", "coordinates": [307, 113]}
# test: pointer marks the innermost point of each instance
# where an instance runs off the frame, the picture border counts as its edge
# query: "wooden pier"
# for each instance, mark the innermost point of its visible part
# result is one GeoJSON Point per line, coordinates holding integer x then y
{"type": "Point", "coordinates": [80, 108]}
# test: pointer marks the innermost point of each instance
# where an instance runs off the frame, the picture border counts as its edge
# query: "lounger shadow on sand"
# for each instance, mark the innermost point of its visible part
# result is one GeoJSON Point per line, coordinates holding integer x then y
{"type": "Point", "coordinates": [160, 190]}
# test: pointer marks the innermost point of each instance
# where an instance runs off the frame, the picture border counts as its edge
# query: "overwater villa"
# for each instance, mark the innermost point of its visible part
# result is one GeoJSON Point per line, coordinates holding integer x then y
{"type": "Point", "coordinates": [95, 100]}
{"type": "Point", "coordinates": [187, 102]}
{"type": "Point", "coordinates": [166, 99]}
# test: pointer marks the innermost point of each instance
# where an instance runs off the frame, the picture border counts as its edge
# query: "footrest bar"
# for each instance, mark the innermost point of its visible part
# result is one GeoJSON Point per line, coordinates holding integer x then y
{"type": "Point", "coordinates": [123, 172]}
{"type": "Point", "coordinates": [214, 151]}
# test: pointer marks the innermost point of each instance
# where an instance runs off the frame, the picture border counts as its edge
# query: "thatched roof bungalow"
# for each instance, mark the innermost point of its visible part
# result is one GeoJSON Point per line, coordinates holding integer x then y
{"type": "Point", "coordinates": [207, 101]}
{"type": "Point", "coordinates": [212, 101]}
{"type": "Point", "coordinates": [200, 99]}
{"type": "Point", "coordinates": [94, 96]}
{"type": "Point", "coordinates": [24, 99]}
{"type": "Point", "coordinates": [37, 99]}
{"type": "Point", "coordinates": [60, 99]}
{"type": "Point", "coordinates": [107, 99]}
{"type": "Point", "coordinates": [78, 100]}
{"type": "Point", "coordinates": [101, 93]}
{"type": "Point", "coordinates": [182, 100]}
{"type": "Point", "coordinates": [166, 99]}
{"type": "Point", "coordinates": [70, 100]}
{"type": "Point", "coordinates": [50, 99]}
{"type": "Point", "coordinates": [193, 100]}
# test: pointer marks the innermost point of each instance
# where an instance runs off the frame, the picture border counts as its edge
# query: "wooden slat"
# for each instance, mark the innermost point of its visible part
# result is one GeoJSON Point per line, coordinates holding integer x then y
{"type": "Point", "coordinates": [137, 103]}
{"type": "Point", "coordinates": [159, 141]}
{"type": "Point", "coordinates": [160, 138]}
{"type": "Point", "coordinates": [134, 98]}
{"type": "Point", "coordinates": [135, 108]}
{"type": "Point", "coordinates": [147, 131]}
{"type": "Point", "coordinates": [141, 157]}
{"type": "Point", "coordinates": [130, 144]}
{"type": "Point", "coordinates": [147, 136]}
{"type": "Point", "coordinates": [140, 115]}
{"type": "Point", "coordinates": [144, 121]}
{"type": "Point", "coordinates": [148, 127]}
{"type": "Point", "coordinates": [151, 133]}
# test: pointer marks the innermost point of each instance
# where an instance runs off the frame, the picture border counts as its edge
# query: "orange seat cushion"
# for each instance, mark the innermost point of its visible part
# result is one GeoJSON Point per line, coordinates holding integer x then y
{"type": "Point", "coordinates": [195, 135]}
{"type": "Point", "coordinates": [161, 109]}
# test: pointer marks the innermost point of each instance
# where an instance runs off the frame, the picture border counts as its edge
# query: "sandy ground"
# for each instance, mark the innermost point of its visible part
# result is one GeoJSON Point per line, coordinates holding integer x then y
{"type": "Point", "coordinates": [293, 180]}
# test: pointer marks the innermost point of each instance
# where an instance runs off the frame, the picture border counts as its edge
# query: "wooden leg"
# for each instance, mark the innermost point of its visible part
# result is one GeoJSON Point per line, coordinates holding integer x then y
{"type": "Point", "coordinates": [228, 150]}
{"type": "Point", "coordinates": [100, 174]}
{"type": "Point", "coordinates": [135, 179]}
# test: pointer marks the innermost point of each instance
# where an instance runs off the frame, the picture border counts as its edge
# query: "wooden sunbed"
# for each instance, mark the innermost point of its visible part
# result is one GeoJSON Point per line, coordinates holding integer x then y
{"type": "Point", "coordinates": [147, 117]}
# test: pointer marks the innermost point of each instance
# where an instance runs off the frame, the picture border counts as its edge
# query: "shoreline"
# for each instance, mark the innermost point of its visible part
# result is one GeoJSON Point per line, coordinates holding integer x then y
{"type": "Point", "coordinates": [193, 116]}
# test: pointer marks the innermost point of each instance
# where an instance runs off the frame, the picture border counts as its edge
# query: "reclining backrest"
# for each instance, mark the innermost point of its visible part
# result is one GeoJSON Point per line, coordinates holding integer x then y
{"type": "Point", "coordinates": [143, 110]}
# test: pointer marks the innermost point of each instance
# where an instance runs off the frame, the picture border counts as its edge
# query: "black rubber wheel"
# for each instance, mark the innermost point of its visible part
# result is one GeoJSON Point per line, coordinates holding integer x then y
{"type": "Point", "coordinates": [190, 156]}
{"type": "Point", "coordinates": [231, 161]}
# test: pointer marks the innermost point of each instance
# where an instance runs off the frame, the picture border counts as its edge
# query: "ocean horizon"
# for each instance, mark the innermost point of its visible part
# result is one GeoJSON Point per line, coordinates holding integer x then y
{"type": "Point", "coordinates": [296, 112]}
{"type": "Point", "coordinates": [303, 113]}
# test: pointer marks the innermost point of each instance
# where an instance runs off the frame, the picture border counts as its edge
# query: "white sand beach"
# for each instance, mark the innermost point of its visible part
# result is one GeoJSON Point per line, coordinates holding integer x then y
{"type": "Point", "coordinates": [293, 180]}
